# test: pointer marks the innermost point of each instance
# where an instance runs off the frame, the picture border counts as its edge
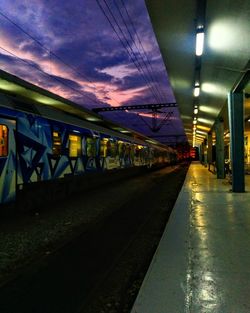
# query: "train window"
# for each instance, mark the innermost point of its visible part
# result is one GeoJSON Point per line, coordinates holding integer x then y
{"type": "Point", "coordinates": [127, 149]}
{"type": "Point", "coordinates": [121, 148]}
{"type": "Point", "coordinates": [103, 147]}
{"type": "Point", "coordinates": [75, 145]}
{"type": "Point", "coordinates": [132, 151]}
{"type": "Point", "coordinates": [57, 143]}
{"type": "Point", "coordinates": [3, 140]}
{"type": "Point", "coordinates": [138, 151]}
{"type": "Point", "coordinates": [112, 149]}
{"type": "Point", "coordinates": [91, 147]}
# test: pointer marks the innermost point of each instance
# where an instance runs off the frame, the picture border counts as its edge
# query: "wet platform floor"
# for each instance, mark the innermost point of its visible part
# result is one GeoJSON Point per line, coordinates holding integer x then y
{"type": "Point", "coordinates": [202, 262]}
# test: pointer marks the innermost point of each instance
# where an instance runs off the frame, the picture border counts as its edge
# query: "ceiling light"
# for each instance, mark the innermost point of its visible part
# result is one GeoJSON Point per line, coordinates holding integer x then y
{"type": "Point", "coordinates": [196, 111]}
{"type": "Point", "coordinates": [215, 89]}
{"type": "Point", "coordinates": [93, 119]}
{"type": "Point", "coordinates": [201, 132]}
{"type": "Point", "coordinates": [194, 122]}
{"type": "Point", "coordinates": [206, 120]}
{"type": "Point", "coordinates": [124, 131]}
{"type": "Point", "coordinates": [197, 90]}
{"type": "Point", "coordinates": [210, 110]}
{"type": "Point", "coordinates": [6, 85]}
{"type": "Point", "coordinates": [202, 127]}
{"type": "Point", "coordinates": [199, 42]}
{"type": "Point", "coordinates": [151, 141]}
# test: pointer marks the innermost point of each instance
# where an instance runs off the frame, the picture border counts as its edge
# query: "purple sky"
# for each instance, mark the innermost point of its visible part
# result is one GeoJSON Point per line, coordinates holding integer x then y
{"type": "Point", "coordinates": [71, 49]}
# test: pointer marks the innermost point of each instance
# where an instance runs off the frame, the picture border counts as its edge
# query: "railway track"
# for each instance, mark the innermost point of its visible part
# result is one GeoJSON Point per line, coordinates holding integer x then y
{"type": "Point", "coordinates": [102, 268]}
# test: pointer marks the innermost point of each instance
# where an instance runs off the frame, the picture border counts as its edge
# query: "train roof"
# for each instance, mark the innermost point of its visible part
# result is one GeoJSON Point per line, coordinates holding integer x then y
{"type": "Point", "coordinates": [28, 97]}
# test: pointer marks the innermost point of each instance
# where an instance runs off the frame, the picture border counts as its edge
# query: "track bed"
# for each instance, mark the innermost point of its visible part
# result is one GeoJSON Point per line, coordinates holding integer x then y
{"type": "Point", "coordinates": [96, 262]}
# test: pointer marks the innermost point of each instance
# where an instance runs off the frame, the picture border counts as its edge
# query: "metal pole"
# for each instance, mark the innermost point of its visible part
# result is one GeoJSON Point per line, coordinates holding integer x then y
{"type": "Point", "coordinates": [236, 124]}
{"type": "Point", "coordinates": [220, 157]}
{"type": "Point", "coordinates": [209, 149]}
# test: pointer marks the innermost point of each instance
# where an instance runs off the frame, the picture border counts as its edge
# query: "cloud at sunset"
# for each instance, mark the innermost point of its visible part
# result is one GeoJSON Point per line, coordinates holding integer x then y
{"type": "Point", "coordinates": [70, 48]}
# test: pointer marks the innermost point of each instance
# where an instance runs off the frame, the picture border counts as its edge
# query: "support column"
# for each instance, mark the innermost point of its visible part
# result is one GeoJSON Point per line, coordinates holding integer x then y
{"type": "Point", "coordinates": [220, 157]}
{"type": "Point", "coordinates": [209, 149]}
{"type": "Point", "coordinates": [236, 124]}
{"type": "Point", "coordinates": [202, 153]}
{"type": "Point", "coordinates": [205, 152]}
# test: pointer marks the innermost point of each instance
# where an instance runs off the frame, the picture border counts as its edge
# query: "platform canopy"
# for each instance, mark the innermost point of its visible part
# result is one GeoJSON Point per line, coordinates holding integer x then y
{"type": "Point", "coordinates": [225, 58]}
{"type": "Point", "coordinates": [27, 94]}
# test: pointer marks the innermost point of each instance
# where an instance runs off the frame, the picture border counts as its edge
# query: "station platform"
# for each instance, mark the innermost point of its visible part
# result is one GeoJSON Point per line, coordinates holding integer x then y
{"type": "Point", "coordinates": [202, 262]}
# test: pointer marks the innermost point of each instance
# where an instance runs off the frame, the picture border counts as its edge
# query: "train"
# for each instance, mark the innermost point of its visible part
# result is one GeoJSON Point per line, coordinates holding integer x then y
{"type": "Point", "coordinates": [40, 144]}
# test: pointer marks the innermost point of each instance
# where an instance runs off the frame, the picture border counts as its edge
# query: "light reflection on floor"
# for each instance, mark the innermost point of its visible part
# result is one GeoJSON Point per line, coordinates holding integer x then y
{"type": "Point", "coordinates": [202, 262]}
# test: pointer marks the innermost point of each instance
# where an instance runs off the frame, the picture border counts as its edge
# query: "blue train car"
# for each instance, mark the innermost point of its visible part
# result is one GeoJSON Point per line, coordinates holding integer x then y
{"type": "Point", "coordinates": [47, 143]}
{"type": "Point", "coordinates": [39, 143]}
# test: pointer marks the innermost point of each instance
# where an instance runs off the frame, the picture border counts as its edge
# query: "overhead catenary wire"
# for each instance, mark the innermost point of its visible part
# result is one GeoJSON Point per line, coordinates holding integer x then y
{"type": "Point", "coordinates": [147, 74]}
{"type": "Point", "coordinates": [150, 77]}
{"type": "Point", "coordinates": [126, 47]}
{"type": "Point", "coordinates": [131, 23]}
{"type": "Point", "coordinates": [52, 53]}
{"type": "Point", "coordinates": [45, 73]}
{"type": "Point", "coordinates": [142, 70]}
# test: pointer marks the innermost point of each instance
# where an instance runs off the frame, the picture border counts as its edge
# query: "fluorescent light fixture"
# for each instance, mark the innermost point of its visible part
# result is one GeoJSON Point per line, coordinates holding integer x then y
{"type": "Point", "coordinates": [199, 43]}
{"type": "Point", "coordinates": [201, 132]}
{"type": "Point", "coordinates": [196, 90]}
{"type": "Point", "coordinates": [151, 141]}
{"type": "Point", "coordinates": [117, 128]}
{"type": "Point", "coordinates": [206, 120]}
{"type": "Point", "coordinates": [93, 119]}
{"type": "Point", "coordinates": [45, 100]}
{"type": "Point", "coordinates": [6, 85]}
{"type": "Point", "coordinates": [125, 131]}
{"type": "Point", "coordinates": [202, 127]}
{"type": "Point", "coordinates": [206, 109]}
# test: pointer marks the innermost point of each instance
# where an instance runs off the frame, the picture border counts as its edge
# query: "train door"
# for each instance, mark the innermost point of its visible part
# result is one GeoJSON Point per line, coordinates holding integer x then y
{"type": "Point", "coordinates": [7, 160]}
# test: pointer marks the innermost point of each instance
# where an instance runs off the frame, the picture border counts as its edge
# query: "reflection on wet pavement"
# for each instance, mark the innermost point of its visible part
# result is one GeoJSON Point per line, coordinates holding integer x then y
{"type": "Point", "coordinates": [202, 262]}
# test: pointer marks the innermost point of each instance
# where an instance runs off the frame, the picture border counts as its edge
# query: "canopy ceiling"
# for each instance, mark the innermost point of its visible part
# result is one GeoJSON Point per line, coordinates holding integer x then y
{"type": "Point", "coordinates": [225, 58]}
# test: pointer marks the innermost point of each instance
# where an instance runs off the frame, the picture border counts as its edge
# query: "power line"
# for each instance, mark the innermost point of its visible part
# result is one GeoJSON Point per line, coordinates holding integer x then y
{"type": "Point", "coordinates": [133, 40]}
{"type": "Point", "coordinates": [153, 107]}
{"type": "Point", "coordinates": [138, 50]}
{"type": "Point", "coordinates": [133, 58]}
{"type": "Point", "coordinates": [147, 80]}
{"type": "Point", "coordinates": [52, 53]}
{"type": "Point", "coordinates": [52, 77]}
{"type": "Point", "coordinates": [139, 40]}
{"type": "Point", "coordinates": [62, 61]}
